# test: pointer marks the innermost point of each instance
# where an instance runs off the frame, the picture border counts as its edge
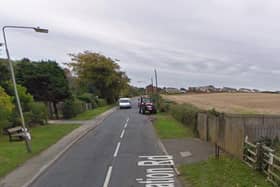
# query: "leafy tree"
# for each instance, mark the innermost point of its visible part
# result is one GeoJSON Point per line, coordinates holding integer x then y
{"type": "Point", "coordinates": [4, 72]}
{"type": "Point", "coordinates": [6, 107]}
{"type": "Point", "coordinates": [45, 80]}
{"type": "Point", "coordinates": [100, 75]}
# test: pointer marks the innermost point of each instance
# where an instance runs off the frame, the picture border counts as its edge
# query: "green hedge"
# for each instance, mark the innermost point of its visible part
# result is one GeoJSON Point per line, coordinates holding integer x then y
{"type": "Point", "coordinates": [185, 113]}
{"type": "Point", "coordinates": [72, 107]}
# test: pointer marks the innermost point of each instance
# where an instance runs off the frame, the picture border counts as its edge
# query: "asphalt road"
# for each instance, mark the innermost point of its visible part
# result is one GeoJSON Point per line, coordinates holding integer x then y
{"type": "Point", "coordinates": [121, 152]}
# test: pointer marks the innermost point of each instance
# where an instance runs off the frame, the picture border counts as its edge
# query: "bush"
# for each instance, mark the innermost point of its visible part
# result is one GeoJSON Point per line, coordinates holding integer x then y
{"type": "Point", "coordinates": [6, 108]}
{"type": "Point", "coordinates": [185, 113]}
{"type": "Point", "coordinates": [101, 102]}
{"type": "Point", "coordinates": [89, 98]}
{"type": "Point", "coordinates": [72, 107]}
{"type": "Point", "coordinates": [37, 115]}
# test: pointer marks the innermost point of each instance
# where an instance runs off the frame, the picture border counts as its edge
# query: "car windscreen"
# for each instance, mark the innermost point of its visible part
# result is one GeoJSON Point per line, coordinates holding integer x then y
{"type": "Point", "coordinates": [124, 101]}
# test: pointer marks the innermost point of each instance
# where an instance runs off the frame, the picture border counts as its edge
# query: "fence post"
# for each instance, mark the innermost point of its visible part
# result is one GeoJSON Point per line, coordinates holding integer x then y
{"type": "Point", "coordinates": [217, 151]}
{"type": "Point", "coordinates": [258, 156]}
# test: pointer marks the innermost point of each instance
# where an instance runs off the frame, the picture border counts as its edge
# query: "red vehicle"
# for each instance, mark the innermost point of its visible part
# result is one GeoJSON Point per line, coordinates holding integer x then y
{"type": "Point", "coordinates": [147, 104]}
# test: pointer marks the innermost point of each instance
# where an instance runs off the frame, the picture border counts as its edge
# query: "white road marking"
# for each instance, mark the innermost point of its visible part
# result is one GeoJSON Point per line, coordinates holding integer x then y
{"type": "Point", "coordinates": [108, 176]}
{"type": "Point", "coordinates": [117, 149]}
{"type": "Point", "coordinates": [123, 131]}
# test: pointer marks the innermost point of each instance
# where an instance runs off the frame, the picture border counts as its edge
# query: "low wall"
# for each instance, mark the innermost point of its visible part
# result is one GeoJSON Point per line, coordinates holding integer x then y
{"type": "Point", "coordinates": [228, 130]}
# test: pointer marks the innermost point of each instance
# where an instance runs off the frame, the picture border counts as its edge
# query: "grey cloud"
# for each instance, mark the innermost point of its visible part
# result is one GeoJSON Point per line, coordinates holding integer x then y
{"type": "Point", "coordinates": [225, 43]}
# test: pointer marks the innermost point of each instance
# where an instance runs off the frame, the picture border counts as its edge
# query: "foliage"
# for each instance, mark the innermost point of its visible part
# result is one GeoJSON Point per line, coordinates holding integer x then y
{"type": "Point", "coordinates": [13, 155]}
{"type": "Point", "coordinates": [71, 108]}
{"type": "Point", "coordinates": [6, 107]}
{"type": "Point", "coordinates": [100, 74]}
{"type": "Point", "coordinates": [4, 72]}
{"type": "Point", "coordinates": [89, 98]}
{"type": "Point", "coordinates": [101, 102]}
{"type": "Point", "coordinates": [38, 114]}
{"type": "Point", "coordinates": [45, 80]}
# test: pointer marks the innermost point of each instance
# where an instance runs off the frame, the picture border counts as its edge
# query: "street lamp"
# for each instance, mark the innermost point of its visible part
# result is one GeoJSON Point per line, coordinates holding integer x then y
{"type": "Point", "coordinates": [37, 29]}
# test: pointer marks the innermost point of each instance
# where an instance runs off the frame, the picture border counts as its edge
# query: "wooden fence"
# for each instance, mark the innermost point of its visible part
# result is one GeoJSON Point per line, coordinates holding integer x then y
{"type": "Point", "coordinates": [261, 157]}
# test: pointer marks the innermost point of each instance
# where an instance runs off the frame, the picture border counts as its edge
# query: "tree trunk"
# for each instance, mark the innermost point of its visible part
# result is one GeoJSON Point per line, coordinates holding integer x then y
{"type": "Point", "coordinates": [50, 109]}
{"type": "Point", "coordinates": [55, 110]}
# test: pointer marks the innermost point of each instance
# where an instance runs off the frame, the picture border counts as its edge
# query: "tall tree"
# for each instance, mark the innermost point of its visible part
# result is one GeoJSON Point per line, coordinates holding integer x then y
{"type": "Point", "coordinates": [45, 80]}
{"type": "Point", "coordinates": [100, 74]}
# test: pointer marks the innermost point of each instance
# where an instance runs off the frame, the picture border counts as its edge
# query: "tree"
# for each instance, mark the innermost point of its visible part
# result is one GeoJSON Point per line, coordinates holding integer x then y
{"type": "Point", "coordinates": [100, 75]}
{"type": "Point", "coordinates": [6, 107]}
{"type": "Point", "coordinates": [4, 72]}
{"type": "Point", "coordinates": [45, 80]}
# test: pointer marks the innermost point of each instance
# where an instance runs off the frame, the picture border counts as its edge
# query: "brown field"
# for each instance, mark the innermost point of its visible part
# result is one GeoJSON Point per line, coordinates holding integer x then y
{"type": "Point", "coordinates": [242, 103]}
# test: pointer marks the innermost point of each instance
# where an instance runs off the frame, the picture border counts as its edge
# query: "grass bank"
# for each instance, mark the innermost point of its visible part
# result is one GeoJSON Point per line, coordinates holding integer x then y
{"type": "Point", "coordinates": [92, 113]}
{"type": "Point", "coordinates": [167, 127]}
{"type": "Point", "coordinates": [225, 172]}
{"type": "Point", "coordinates": [13, 154]}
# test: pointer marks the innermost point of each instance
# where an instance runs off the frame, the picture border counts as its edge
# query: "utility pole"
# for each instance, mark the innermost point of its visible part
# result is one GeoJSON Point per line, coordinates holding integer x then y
{"type": "Point", "coordinates": [152, 81]}
{"type": "Point", "coordinates": [157, 95]}
{"type": "Point", "coordinates": [156, 81]}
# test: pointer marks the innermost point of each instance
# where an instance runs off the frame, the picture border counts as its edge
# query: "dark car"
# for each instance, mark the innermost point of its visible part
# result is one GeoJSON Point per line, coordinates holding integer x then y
{"type": "Point", "coordinates": [147, 104]}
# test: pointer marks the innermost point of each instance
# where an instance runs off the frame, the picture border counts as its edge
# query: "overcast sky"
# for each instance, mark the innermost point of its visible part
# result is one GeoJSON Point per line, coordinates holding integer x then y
{"type": "Point", "coordinates": [232, 43]}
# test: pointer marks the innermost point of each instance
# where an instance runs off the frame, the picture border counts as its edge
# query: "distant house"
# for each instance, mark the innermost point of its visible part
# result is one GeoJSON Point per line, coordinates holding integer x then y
{"type": "Point", "coordinates": [228, 89]}
{"type": "Point", "coordinates": [205, 89]}
{"type": "Point", "coordinates": [245, 90]}
{"type": "Point", "coordinates": [150, 89]}
{"type": "Point", "coordinates": [172, 90]}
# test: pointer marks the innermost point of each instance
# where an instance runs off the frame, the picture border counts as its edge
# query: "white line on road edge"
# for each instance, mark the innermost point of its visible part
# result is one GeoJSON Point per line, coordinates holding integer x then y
{"type": "Point", "coordinates": [108, 176]}
{"type": "Point", "coordinates": [121, 136]}
{"type": "Point", "coordinates": [117, 149]}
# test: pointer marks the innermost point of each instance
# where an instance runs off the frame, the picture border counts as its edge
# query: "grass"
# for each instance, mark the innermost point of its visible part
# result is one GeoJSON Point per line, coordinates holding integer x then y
{"type": "Point", "coordinates": [225, 172]}
{"type": "Point", "coordinates": [167, 127]}
{"type": "Point", "coordinates": [13, 154]}
{"type": "Point", "coordinates": [92, 113]}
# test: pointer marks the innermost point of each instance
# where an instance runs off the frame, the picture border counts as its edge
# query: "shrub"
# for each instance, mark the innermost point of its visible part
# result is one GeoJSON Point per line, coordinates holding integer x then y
{"type": "Point", "coordinates": [101, 102]}
{"type": "Point", "coordinates": [72, 107]}
{"type": "Point", "coordinates": [185, 113]}
{"type": "Point", "coordinates": [6, 107]}
{"type": "Point", "coordinates": [37, 115]}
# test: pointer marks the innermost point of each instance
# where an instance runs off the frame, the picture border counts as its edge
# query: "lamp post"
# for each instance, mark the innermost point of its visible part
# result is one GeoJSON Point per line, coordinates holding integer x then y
{"type": "Point", "coordinates": [37, 29]}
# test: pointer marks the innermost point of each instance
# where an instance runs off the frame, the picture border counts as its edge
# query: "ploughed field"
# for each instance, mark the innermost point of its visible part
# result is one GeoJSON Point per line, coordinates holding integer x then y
{"type": "Point", "coordinates": [244, 103]}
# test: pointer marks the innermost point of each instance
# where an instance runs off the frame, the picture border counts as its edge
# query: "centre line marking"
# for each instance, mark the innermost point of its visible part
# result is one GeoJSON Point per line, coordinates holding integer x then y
{"type": "Point", "coordinates": [122, 133]}
{"type": "Point", "coordinates": [108, 176]}
{"type": "Point", "coordinates": [117, 149]}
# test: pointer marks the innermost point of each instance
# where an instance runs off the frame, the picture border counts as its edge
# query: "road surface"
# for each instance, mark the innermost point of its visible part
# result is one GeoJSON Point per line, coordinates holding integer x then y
{"type": "Point", "coordinates": [121, 152]}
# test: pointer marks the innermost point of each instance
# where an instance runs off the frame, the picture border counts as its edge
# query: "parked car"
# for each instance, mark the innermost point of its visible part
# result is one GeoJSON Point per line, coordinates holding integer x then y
{"type": "Point", "coordinates": [147, 104]}
{"type": "Point", "coordinates": [124, 103]}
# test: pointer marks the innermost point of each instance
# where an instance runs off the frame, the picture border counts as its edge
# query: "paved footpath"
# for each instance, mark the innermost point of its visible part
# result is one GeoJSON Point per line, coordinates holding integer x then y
{"type": "Point", "coordinates": [123, 151]}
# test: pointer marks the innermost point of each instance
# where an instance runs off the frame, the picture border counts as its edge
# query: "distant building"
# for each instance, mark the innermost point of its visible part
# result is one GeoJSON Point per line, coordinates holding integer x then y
{"type": "Point", "coordinates": [228, 89]}
{"type": "Point", "coordinates": [150, 89]}
{"type": "Point", "coordinates": [172, 90]}
{"type": "Point", "coordinates": [205, 89]}
{"type": "Point", "coordinates": [245, 90]}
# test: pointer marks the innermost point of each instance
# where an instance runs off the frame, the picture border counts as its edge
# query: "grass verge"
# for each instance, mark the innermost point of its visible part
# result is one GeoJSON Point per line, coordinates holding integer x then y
{"type": "Point", "coordinates": [167, 127]}
{"type": "Point", "coordinates": [225, 172]}
{"type": "Point", "coordinates": [13, 154]}
{"type": "Point", "coordinates": [92, 113]}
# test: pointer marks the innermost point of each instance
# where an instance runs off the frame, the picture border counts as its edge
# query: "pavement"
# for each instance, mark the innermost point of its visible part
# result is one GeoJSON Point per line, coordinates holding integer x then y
{"type": "Point", "coordinates": [188, 150]}
{"type": "Point", "coordinates": [122, 151]}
